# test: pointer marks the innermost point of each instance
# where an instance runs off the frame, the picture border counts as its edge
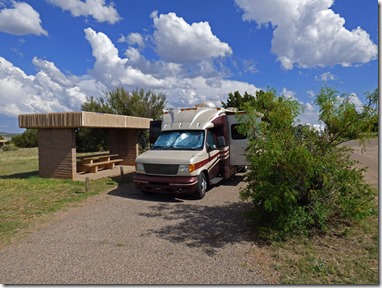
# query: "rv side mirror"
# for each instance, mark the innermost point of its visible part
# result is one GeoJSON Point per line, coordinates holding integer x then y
{"type": "Point", "coordinates": [143, 142]}
{"type": "Point", "coordinates": [210, 147]}
{"type": "Point", "coordinates": [221, 141]}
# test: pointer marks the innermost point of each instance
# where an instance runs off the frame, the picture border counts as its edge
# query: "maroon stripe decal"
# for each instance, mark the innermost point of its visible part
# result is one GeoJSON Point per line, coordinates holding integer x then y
{"type": "Point", "coordinates": [204, 162]}
{"type": "Point", "coordinates": [222, 154]}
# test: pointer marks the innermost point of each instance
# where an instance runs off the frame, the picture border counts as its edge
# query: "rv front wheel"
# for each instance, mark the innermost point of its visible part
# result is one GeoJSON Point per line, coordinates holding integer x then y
{"type": "Point", "coordinates": [201, 186]}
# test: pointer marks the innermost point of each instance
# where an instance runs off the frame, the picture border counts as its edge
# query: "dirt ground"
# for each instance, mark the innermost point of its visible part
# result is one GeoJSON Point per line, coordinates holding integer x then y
{"type": "Point", "coordinates": [368, 158]}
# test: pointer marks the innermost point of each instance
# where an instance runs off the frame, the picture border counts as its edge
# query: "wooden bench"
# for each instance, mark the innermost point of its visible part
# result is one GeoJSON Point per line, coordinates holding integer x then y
{"type": "Point", "coordinates": [93, 162]}
{"type": "Point", "coordinates": [109, 164]}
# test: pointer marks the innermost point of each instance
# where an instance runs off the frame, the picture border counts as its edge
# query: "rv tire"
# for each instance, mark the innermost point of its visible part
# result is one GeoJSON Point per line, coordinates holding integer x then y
{"type": "Point", "coordinates": [201, 186]}
{"type": "Point", "coordinates": [242, 169]}
{"type": "Point", "coordinates": [145, 192]}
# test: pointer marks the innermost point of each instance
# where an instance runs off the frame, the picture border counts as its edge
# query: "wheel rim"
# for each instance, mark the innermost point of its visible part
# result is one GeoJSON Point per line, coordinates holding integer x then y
{"type": "Point", "coordinates": [203, 184]}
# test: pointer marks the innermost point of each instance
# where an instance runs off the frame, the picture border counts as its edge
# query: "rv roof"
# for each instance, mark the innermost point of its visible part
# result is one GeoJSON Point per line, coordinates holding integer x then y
{"type": "Point", "coordinates": [190, 118]}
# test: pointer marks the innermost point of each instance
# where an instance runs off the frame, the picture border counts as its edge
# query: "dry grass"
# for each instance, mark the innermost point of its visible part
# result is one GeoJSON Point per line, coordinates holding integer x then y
{"type": "Point", "coordinates": [27, 200]}
{"type": "Point", "coordinates": [347, 258]}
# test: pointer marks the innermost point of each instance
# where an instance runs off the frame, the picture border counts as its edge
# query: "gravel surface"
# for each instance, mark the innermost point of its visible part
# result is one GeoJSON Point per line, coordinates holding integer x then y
{"type": "Point", "coordinates": [367, 157]}
{"type": "Point", "coordinates": [124, 237]}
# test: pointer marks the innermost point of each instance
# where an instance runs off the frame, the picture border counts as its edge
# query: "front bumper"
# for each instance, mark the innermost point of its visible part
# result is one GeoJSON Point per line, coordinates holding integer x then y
{"type": "Point", "coordinates": [166, 184]}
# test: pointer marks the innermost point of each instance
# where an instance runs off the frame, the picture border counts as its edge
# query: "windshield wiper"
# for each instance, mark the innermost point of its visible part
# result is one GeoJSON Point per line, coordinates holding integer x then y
{"type": "Point", "coordinates": [195, 148]}
{"type": "Point", "coordinates": [187, 148]}
{"type": "Point", "coordinates": [161, 148]}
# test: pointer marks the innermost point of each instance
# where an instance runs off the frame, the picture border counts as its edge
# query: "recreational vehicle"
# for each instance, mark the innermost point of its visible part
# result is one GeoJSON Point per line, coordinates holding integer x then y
{"type": "Point", "coordinates": [196, 147]}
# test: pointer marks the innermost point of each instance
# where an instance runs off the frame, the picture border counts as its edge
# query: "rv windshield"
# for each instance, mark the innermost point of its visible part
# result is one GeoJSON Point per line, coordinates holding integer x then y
{"type": "Point", "coordinates": [180, 140]}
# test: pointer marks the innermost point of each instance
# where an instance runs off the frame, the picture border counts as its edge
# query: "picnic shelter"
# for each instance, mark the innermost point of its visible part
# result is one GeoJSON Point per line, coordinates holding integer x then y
{"type": "Point", "coordinates": [57, 153]}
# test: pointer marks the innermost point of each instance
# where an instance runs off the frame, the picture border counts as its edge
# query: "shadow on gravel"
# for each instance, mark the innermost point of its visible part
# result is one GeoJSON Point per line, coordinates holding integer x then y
{"type": "Point", "coordinates": [126, 189]}
{"type": "Point", "coordinates": [205, 227]}
{"type": "Point", "coordinates": [195, 225]}
{"type": "Point", "coordinates": [233, 181]}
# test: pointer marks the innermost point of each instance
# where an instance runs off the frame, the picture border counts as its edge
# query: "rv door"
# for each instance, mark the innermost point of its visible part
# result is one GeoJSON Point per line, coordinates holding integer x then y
{"type": "Point", "coordinates": [238, 143]}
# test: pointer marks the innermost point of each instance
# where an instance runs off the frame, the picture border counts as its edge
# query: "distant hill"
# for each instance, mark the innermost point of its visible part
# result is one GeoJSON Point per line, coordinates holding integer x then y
{"type": "Point", "coordinates": [8, 136]}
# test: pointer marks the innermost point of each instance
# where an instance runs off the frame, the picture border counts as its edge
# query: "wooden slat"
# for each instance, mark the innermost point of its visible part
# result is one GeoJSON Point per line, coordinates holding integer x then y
{"type": "Point", "coordinates": [93, 167]}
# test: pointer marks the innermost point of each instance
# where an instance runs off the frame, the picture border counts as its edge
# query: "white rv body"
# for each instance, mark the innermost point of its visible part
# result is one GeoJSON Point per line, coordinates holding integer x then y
{"type": "Point", "coordinates": [195, 148]}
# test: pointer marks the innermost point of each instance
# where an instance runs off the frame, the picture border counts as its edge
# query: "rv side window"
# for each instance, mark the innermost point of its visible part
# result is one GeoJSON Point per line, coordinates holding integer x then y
{"type": "Point", "coordinates": [211, 140]}
{"type": "Point", "coordinates": [235, 134]}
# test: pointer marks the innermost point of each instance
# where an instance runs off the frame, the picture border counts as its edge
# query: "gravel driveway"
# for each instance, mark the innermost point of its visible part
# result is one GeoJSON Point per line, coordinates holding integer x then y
{"type": "Point", "coordinates": [367, 158]}
{"type": "Point", "coordinates": [124, 237]}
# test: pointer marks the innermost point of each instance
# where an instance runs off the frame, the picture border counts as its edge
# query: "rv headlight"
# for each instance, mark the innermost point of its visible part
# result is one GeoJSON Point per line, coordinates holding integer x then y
{"type": "Point", "coordinates": [184, 168]}
{"type": "Point", "coordinates": [139, 167]}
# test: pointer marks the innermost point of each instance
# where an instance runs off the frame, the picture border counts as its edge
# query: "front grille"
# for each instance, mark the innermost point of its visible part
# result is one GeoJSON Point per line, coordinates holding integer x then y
{"type": "Point", "coordinates": [163, 169]}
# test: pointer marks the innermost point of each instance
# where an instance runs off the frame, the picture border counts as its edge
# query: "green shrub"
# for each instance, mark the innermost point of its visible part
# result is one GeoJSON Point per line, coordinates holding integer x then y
{"type": "Point", "coordinates": [301, 182]}
{"type": "Point", "coordinates": [298, 189]}
{"type": "Point", "coordinates": [92, 140]}
{"type": "Point", "coordinates": [9, 147]}
{"type": "Point", "coordinates": [28, 139]}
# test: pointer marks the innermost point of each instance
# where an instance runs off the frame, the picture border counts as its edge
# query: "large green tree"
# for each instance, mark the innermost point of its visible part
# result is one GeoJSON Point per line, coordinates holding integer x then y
{"type": "Point", "coordinates": [301, 182]}
{"type": "Point", "coordinates": [236, 100]}
{"type": "Point", "coordinates": [343, 119]}
{"type": "Point", "coordinates": [139, 103]}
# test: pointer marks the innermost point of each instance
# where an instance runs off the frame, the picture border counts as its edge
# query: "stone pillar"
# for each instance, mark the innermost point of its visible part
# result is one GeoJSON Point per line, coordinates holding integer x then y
{"type": "Point", "coordinates": [124, 142]}
{"type": "Point", "coordinates": [57, 153]}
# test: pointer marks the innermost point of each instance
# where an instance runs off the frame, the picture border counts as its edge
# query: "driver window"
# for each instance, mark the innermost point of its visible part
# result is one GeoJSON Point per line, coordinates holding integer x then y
{"type": "Point", "coordinates": [211, 140]}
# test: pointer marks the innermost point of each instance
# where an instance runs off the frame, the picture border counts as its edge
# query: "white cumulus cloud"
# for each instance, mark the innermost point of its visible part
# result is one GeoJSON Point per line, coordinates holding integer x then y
{"type": "Point", "coordinates": [326, 77]}
{"type": "Point", "coordinates": [353, 98]}
{"type": "Point", "coordinates": [22, 19]}
{"type": "Point", "coordinates": [47, 91]}
{"type": "Point", "coordinates": [51, 90]}
{"type": "Point", "coordinates": [181, 87]}
{"type": "Point", "coordinates": [110, 68]}
{"type": "Point", "coordinates": [289, 94]}
{"type": "Point", "coordinates": [179, 42]}
{"type": "Point", "coordinates": [186, 92]}
{"type": "Point", "coordinates": [133, 39]}
{"type": "Point", "coordinates": [307, 33]}
{"type": "Point", "coordinates": [94, 8]}
{"type": "Point", "coordinates": [309, 114]}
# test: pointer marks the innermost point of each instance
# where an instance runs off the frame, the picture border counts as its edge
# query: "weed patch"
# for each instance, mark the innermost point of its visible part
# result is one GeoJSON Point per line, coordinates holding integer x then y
{"type": "Point", "coordinates": [346, 257]}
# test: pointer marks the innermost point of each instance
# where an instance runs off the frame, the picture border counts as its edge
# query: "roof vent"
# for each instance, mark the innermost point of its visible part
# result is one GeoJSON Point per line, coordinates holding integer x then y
{"type": "Point", "coordinates": [206, 104]}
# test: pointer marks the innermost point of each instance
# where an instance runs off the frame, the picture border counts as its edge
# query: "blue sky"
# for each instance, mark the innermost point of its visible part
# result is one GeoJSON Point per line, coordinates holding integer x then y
{"type": "Point", "coordinates": [55, 53]}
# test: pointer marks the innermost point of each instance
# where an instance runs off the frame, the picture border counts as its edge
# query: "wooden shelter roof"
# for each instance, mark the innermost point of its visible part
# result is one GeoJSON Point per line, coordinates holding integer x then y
{"type": "Point", "coordinates": [82, 120]}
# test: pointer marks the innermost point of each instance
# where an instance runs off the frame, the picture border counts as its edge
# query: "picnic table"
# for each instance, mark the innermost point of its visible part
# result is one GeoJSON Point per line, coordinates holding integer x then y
{"type": "Point", "coordinates": [94, 162]}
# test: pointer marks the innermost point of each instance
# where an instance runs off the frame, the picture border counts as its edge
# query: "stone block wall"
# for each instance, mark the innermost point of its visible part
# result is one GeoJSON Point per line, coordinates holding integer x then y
{"type": "Point", "coordinates": [57, 153]}
{"type": "Point", "coordinates": [125, 143]}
